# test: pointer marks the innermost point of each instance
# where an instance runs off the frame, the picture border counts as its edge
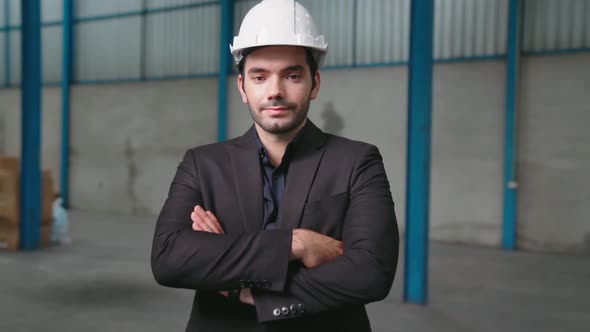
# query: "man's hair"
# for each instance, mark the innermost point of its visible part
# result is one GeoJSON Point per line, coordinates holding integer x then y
{"type": "Point", "coordinates": [309, 58]}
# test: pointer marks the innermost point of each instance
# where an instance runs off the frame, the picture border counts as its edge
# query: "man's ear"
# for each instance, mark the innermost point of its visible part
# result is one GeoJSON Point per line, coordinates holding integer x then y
{"type": "Point", "coordinates": [316, 88]}
{"type": "Point", "coordinates": [240, 83]}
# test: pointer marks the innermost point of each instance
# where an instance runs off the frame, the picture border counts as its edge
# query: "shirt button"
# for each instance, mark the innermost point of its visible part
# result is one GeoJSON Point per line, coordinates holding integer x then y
{"type": "Point", "coordinates": [293, 309]}
{"type": "Point", "coordinates": [276, 312]}
{"type": "Point", "coordinates": [285, 310]}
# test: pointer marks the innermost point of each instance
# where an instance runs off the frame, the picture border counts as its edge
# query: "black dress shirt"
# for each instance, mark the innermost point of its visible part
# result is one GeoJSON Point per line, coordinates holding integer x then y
{"type": "Point", "coordinates": [274, 180]}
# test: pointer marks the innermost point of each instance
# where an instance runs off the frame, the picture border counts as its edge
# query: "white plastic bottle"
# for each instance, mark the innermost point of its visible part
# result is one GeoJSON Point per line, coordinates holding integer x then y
{"type": "Point", "coordinates": [59, 229]}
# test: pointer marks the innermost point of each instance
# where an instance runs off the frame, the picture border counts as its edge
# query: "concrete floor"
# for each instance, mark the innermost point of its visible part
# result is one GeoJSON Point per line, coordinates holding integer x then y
{"type": "Point", "coordinates": [102, 282]}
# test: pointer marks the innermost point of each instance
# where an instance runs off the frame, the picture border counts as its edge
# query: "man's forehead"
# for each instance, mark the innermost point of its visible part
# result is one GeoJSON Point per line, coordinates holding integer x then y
{"type": "Point", "coordinates": [276, 57]}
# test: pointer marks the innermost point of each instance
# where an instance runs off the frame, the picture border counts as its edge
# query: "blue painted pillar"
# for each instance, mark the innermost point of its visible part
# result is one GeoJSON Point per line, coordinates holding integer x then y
{"type": "Point", "coordinates": [418, 151]}
{"type": "Point", "coordinates": [30, 186]}
{"type": "Point", "coordinates": [7, 43]}
{"type": "Point", "coordinates": [66, 80]}
{"type": "Point", "coordinates": [142, 40]}
{"type": "Point", "coordinates": [225, 65]}
{"type": "Point", "coordinates": [513, 49]}
{"type": "Point", "coordinates": [355, 14]}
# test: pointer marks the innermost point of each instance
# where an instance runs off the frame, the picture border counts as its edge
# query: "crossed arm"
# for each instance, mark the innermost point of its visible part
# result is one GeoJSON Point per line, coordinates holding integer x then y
{"type": "Point", "coordinates": [332, 274]}
{"type": "Point", "coordinates": [310, 248]}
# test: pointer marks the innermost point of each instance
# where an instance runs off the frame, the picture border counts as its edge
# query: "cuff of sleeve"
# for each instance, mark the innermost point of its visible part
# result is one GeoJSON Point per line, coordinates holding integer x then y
{"type": "Point", "coordinates": [274, 307]}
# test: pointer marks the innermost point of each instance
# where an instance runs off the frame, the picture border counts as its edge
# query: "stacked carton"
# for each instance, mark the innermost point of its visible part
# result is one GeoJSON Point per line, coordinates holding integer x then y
{"type": "Point", "coordinates": [9, 204]}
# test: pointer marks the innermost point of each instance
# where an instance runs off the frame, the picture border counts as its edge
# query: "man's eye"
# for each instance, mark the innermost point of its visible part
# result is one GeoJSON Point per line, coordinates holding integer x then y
{"type": "Point", "coordinates": [258, 78]}
{"type": "Point", "coordinates": [293, 76]}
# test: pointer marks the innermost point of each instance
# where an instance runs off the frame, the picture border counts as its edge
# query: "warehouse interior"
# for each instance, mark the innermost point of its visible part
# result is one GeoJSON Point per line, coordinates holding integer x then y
{"type": "Point", "coordinates": [110, 94]}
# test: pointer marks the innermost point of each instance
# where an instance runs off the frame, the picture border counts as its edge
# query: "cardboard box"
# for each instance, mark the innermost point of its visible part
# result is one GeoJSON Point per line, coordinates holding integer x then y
{"type": "Point", "coordinates": [9, 164]}
{"type": "Point", "coordinates": [9, 236]}
{"type": "Point", "coordinates": [9, 197]}
{"type": "Point", "coordinates": [47, 196]}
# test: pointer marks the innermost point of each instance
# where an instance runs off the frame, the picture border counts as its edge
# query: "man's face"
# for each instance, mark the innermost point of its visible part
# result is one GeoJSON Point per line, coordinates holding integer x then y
{"type": "Point", "coordinates": [277, 86]}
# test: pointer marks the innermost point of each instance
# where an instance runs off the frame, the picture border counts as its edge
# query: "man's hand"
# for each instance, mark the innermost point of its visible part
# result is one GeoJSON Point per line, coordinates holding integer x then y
{"type": "Point", "coordinates": [314, 249]}
{"type": "Point", "coordinates": [205, 221]}
{"type": "Point", "coordinates": [246, 296]}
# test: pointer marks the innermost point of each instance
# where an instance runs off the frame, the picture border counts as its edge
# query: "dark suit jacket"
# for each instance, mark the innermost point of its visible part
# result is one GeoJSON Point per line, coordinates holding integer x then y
{"type": "Point", "coordinates": [335, 186]}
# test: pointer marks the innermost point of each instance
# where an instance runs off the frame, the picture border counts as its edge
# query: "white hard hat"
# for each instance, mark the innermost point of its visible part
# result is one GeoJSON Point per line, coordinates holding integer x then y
{"type": "Point", "coordinates": [279, 22]}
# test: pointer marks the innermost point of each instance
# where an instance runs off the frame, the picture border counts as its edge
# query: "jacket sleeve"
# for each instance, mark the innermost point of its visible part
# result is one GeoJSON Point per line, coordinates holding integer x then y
{"type": "Point", "coordinates": [184, 258]}
{"type": "Point", "coordinates": [364, 272]}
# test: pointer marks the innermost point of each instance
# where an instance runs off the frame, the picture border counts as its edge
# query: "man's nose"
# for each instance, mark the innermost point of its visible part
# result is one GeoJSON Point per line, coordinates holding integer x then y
{"type": "Point", "coordinates": [275, 89]}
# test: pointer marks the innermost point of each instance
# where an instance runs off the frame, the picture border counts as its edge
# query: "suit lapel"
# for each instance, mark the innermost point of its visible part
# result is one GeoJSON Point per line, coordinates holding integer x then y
{"type": "Point", "coordinates": [248, 179]}
{"type": "Point", "coordinates": [302, 171]}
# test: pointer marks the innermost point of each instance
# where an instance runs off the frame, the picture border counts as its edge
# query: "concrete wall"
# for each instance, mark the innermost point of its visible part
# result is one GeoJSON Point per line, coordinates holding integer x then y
{"type": "Point", "coordinates": [467, 152]}
{"type": "Point", "coordinates": [127, 140]}
{"type": "Point", "coordinates": [554, 154]}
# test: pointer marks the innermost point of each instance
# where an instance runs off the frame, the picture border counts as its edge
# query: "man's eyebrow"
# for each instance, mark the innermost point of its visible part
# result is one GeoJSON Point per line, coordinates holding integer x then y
{"type": "Point", "coordinates": [256, 70]}
{"type": "Point", "coordinates": [294, 68]}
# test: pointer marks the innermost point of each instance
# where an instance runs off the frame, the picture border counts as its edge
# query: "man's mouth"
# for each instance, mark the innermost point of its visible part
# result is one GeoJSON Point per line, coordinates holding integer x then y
{"type": "Point", "coordinates": [276, 108]}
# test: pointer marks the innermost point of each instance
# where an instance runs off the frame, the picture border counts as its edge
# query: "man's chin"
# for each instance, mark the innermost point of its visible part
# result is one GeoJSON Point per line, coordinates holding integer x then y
{"type": "Point", "coordinates": [279, 128]}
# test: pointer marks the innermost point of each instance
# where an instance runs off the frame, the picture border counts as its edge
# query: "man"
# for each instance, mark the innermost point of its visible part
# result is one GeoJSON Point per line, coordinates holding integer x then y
{"type": "Point", "coordinates": [286, 227]}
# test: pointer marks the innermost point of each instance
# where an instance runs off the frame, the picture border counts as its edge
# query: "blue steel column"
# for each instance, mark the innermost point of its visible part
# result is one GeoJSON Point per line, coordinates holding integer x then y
{"type": "Point", "coordinates": [30, 187]}
{"type": "Point", "coordinates": [418, 152]}
{"type": "Point", "coordinates": [513, 48]}
{"type": "Point", "coordinates": [66, 80]}
{"type": "Point", "coordinates": [225, 65]}
{"type": "Point", "coordinates": [355, 14]}
{"type": "Point", "coordinates": [142, 40]}
{"type": "Point", "coordinates": [7, 42]}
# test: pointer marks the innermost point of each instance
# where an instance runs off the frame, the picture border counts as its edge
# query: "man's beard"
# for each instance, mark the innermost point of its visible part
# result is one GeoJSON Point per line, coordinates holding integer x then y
{"type": "Point", "coordinates": [274, 128]}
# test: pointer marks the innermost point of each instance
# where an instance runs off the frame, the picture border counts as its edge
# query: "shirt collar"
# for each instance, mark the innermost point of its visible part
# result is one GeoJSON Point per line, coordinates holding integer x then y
{"type": "Point", "coordinates": [288, 150]}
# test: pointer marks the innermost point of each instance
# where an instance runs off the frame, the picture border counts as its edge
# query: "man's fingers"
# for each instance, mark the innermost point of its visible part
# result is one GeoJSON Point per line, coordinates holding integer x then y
{"type": "Point", "coordinates": [319, 248]}
{"type": "Point", "coordinates": [197, 227]}
{"type": "Point", "coordinates": [209, 219]}
{"type": "Point", "coordinates": [215, 222]}
{"type": "Point", "coordinates": [199, 224]}
{"type": "Point", "coordinates": [208, 224]}
{"type": "Point", "coordinates": [206, 220]}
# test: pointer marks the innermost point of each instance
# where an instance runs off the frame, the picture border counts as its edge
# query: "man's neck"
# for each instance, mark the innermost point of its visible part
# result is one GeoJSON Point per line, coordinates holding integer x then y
{"type": "Point", "coordinates": [276, 144]}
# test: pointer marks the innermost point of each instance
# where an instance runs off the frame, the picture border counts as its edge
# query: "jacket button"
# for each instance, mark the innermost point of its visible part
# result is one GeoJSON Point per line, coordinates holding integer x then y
{"type": "Point", "coordinates": [293, 309]}
{"type": "Point", "coordinates": [276, 312]}
{"type": "Point", "coordinates": [285, 310]}
{"type": "Point", "coordinates": [300, 308]}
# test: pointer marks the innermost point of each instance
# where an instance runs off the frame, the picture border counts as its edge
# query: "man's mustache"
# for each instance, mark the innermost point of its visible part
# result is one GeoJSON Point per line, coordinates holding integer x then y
{"type": "Point", "coordinates": [278, 103]}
